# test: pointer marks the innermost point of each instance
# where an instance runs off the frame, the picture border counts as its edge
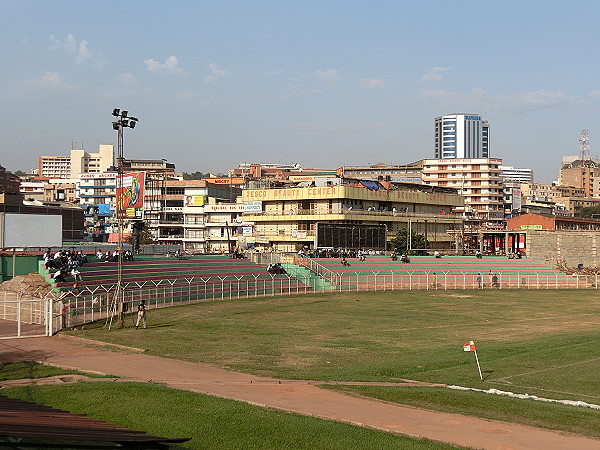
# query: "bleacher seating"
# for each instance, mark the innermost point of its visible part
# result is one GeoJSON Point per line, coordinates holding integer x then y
{"type": "Point", "coordinates": [219, 272]}
{"type": "Point", "coordinates": [453, 271]}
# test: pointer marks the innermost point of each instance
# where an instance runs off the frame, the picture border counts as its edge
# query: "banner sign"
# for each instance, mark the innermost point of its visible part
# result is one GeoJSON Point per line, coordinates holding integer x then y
{"type": "Point", "coordinates": [193, 200]}
{"type": "Point", "coordinates": [225, 180]}
{"type": "Point", "coordinates": [236, 207]}
{"type": "Point", "coordinates": [130, 195]}
{"type": "Point", "coordinates": [253, 206]}
{"type": "Point", "coordinates": [298, 178]}
{"type": "Point", "coordinates": [531, 227]}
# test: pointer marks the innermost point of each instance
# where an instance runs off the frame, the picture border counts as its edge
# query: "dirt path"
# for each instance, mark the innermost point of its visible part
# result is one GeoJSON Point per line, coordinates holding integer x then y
{"type": "Point", "coordinates": [300, 397]}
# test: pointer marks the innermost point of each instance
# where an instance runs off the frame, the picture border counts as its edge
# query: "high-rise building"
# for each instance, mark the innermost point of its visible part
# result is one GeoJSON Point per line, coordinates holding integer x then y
{"type": "Point", "coordinates": [477, 180]}
{"type": "Point", "coordinates": [79, 161]}
{"type": "Point", "coordinates": [463, 136]}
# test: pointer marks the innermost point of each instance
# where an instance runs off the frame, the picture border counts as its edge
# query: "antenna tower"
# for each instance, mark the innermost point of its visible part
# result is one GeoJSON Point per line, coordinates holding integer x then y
{"type": "Point", "coordinates": [584, 145]}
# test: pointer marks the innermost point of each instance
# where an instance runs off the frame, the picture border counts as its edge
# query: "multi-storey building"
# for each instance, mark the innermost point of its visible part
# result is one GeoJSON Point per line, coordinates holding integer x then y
{"type": "Point", "coordinates": [275, 171]}
{"type": "Point", "coordinates": [96, 192]}
{"type": "Point", "coordinates": [511, 174]}
{"type": "Point", "coordinates": [461, 136]}
{"type": "Point", "coordinates": [61, 190]}
{"type": "Point", "coordinates": [199, 215]}
{"type": "Point", "coordinates": [32, 190]}
{"type": "Point", "coordinates": [580, 174]}
{"type": "Point", "coordinates": [9, 183]}
{"type": "Point", "coordinates": [400, 173]}
{"type": "Point", "coordinates": [477, 180]}
{"type": "Point", "coordinates": [79, 161]}
{"type": "Point", "coordinates": [348, 213]}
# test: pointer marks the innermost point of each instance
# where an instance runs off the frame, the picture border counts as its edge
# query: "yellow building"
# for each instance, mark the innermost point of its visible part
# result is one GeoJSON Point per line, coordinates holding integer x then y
{"type": "Point", "coordinates": [348, 213]}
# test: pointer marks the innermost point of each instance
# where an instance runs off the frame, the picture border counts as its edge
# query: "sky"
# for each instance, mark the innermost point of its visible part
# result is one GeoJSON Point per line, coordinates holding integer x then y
{"type": "Point", "coordinates": [319, 83]}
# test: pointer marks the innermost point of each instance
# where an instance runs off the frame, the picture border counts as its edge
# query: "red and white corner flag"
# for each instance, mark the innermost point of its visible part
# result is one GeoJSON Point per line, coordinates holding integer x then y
{"type": "Point", "coordinates": [470, 347]}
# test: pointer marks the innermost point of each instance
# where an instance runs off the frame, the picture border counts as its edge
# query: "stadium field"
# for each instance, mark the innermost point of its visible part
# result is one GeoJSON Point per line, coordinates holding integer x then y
{"type": "Point", "coordinates": [544, 343]}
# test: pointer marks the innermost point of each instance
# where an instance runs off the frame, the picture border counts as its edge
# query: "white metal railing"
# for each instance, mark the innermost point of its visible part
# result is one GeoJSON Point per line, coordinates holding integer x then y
{"type": "Point", "coordinates": [42, 317]}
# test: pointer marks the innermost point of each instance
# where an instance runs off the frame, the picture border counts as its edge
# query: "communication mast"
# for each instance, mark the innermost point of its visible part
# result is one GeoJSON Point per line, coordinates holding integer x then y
{"type": "Point", "coordinates": [584, 145]}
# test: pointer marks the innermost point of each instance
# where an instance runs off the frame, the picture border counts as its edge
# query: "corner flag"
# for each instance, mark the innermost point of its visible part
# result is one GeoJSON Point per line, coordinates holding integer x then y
{"type": "Point", "coordinates": [469, 346]}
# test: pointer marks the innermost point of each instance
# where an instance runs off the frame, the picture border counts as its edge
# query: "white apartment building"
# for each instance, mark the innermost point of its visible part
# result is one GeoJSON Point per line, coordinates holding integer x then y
{"type": "Point", "coordinates": [477, 180]}
{"type": "Point", "coordinates": [461, 136]}
{"type": "Point", "coordinates": [511, 174]}
{"type": "Point", "coordinates": [79, 161]}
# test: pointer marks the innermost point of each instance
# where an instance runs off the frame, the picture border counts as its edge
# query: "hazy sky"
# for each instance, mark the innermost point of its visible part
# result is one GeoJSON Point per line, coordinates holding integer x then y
{"type": "Point", "coordinates": [321, 83]}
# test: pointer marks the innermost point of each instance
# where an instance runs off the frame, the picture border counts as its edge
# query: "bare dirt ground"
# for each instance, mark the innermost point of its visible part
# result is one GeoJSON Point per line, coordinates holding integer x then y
{"type": "Point", "coordinates": [301, 397]}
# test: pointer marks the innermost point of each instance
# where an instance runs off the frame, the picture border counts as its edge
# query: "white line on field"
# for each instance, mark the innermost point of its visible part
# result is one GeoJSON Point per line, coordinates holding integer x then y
{"type": "Point", "coordinates": [549, 368]}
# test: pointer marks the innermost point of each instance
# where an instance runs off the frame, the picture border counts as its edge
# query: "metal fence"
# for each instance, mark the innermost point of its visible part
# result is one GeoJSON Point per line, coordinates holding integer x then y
{"type": "Point", "coordinates": [20, 317]}
{"type": "Point", "coordinates": [26, 317]}
{"type": "Point", "coordinates": [390, 280]}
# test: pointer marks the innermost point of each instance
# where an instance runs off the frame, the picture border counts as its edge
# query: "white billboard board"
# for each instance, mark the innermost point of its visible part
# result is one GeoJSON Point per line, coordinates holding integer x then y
{"type": "Point", "coordinates": [32, 230]}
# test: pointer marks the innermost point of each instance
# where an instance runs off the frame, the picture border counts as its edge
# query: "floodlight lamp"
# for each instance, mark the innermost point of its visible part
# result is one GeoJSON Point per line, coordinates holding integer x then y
{"type": "Point", "coordinates": [116, 126]}
{"type": "Point", "coordinates": [125, 122]}
{"type": "Point", "coordinates": [124, 113]}
{"type": "Point", "coordinates": [116, 112]}
{"type": "Point", "coordinates": [132, 124]}
{"type": "Point", "coordinates": [133, 118]}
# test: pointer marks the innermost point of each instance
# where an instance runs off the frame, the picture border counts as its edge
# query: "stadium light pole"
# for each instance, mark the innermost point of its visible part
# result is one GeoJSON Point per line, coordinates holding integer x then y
{"type": "Point", "coordinates": [121, 120]}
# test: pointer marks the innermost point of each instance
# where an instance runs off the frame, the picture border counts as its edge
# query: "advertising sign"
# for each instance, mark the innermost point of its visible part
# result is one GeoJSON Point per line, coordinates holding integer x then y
{"type": "Point", "coordinates": [130, 195]}
{"type": "Point", "coordinates": [253, 206]}
{"type": "Point", "coordinates": [247, 231]}
{"type": "Point", "coordinates": [225, 180]}
{"type": "Point", "coordinates": [226, 207]}
{"type": "Point", "coordinates": [193, 200]}
{"type": "Point", "coordinates": [301, 178]}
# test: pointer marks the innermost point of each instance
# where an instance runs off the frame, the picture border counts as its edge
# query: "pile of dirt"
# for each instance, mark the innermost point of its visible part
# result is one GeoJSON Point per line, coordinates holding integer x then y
{"type": "Point", "coordinates": [32, 285]}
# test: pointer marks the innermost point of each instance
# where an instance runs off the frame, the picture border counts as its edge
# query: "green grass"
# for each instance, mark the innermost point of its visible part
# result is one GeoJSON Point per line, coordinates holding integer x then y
{"type": "Point", "coordinates": [30, 369]}
{"type": "Point", "coordinates": [537, 342]}
{"type": "Point", "coordinates": [525, 412]}
{"type": "Point", "coordinates": [210, 422]}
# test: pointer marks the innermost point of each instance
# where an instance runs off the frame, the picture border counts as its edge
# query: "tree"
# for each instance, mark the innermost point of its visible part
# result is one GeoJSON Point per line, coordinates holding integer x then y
{"type": "Point", "coordinates": [586, 213]}
{"type": "Point", "coordinates": [400, 243]}
{"type": "Point", "coordinates": [20, 173]}
{"type": "Point", "coordinates": [193, 176]}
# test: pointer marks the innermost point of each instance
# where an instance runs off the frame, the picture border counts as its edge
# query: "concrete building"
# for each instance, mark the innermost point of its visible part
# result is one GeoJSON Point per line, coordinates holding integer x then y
{"type": "Point", "coordinates": [477, 180]}
{"type": "Point", "coordinates": [32, 190]}
{"type": "Point", "coordinates": [511, 174]}
{"type": "Point", "coordinates": [348, 213]}
{"type": "Point", "coordinates": [79, 161]}
{"type": "Point", "coordinates": [398, 173]}
{"type": "Point", "coordinates": [463, 136]}
{"type": "Point", "coordinates": [61, 190]}
{"type": "Point", "coordinates": [580, 174]}
{"type": "Point", "coordinates": [9, 182]}
{"type": "Point", "coordinates": [275, 171]}
{"type": "Point", "coordinates": [196, 214]}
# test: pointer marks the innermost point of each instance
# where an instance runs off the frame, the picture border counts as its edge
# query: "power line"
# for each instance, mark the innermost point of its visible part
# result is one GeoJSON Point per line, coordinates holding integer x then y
{"type": "Point", "coordinates": [431, 133]}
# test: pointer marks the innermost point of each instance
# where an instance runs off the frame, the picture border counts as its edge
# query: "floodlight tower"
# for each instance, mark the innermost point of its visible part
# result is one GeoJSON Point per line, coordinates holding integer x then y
{"type": "Point", "coordinates": [121, 121]}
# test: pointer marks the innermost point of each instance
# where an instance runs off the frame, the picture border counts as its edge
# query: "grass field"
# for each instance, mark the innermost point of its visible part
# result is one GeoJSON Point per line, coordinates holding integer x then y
{"type": "Point", "coordinates": [537, 342]}
{"type": "Point", "coordinates": [210, 422]}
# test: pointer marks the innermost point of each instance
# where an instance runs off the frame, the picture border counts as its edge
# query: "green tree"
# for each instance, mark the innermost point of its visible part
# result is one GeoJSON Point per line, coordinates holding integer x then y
{"type": "Point", "coordinates": [586, 213]}
{"type": "Point", "coordinates": [400, 243]}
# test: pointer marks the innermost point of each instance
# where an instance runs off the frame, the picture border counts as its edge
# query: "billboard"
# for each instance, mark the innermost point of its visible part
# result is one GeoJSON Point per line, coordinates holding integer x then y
{"type": "Point", "coordinates": [31, 230]}
{"type": "Point", "coordinates": [193, 200]}
{"type": "Point", "coordinates": [130, 195]}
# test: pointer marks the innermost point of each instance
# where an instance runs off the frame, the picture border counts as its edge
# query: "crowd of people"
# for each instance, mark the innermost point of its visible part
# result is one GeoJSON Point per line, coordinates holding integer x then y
{"type": "Point", "coordinates": [336, 253]}
{"type": "Point", "coordinates": [113, 256]}
{"type": "Point", "coordinates": [66, 263]}
{"type": "Point", "coordinates": [276, 269]}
